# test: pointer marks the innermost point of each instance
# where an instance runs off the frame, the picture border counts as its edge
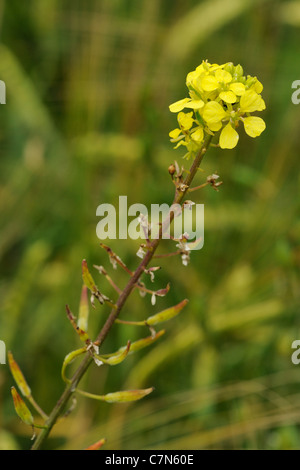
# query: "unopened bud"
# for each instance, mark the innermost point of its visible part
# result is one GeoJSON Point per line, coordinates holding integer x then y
{"type": "Point", "coordinates": [171, 169]}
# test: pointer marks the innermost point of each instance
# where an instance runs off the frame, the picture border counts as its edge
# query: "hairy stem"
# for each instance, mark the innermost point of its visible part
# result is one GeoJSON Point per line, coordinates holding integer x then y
{"type": "Point", "coordinates": [84, 365]}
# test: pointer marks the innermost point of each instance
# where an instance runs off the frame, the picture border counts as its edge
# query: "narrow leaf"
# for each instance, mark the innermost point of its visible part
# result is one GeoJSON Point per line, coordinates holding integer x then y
{"type": "Point", "coordinates": [18, 376]}
{"type": "Point", "coordinates": [21, 408]}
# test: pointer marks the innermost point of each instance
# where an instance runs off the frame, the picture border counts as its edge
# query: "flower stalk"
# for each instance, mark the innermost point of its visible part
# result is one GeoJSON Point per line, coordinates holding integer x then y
{"type": "Point", "coordinates": [220, 98]}
{"type": "Point", "coordinates": [115, 311]}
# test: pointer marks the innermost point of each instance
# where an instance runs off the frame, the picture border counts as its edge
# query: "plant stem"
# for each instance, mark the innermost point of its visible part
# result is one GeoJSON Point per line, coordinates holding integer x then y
{"type": "Point", "coordinates": [82, 368]}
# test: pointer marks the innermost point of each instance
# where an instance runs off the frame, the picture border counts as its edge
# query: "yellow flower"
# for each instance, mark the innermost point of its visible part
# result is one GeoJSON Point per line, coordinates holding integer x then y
{"type": "Point", "coordinates": [185, 120]}
{"type": "Point", "coordinates": [220, 97]}
{"type": "Point", "coordinates": [186, 135]}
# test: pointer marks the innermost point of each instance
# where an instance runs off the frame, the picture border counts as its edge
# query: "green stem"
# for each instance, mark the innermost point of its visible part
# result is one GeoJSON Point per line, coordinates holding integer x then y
{"type": "Point", "coordinates": [82, 368]}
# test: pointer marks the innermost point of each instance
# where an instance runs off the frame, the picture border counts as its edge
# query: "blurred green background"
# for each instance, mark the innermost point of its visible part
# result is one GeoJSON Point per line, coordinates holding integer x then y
{"type": "Point", "coordinates": [86, 120]}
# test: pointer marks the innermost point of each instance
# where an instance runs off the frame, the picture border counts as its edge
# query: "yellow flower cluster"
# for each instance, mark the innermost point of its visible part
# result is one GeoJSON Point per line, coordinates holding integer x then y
{"type": "Point", "coordinates": [220, 98]}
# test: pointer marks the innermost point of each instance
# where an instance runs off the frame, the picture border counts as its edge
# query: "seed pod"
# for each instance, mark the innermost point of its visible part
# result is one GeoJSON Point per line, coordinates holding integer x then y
{"type": "Point", "coordinates": [18, 376]}
{"type": "Point", "coordinates": [21, 408]}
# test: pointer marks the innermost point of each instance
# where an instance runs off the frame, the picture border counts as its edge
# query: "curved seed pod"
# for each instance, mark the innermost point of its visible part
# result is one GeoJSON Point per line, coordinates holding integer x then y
{"type": "Point", "coordinates": [115, 358]}
{"type": "Point", "coordinates": [68, 360]}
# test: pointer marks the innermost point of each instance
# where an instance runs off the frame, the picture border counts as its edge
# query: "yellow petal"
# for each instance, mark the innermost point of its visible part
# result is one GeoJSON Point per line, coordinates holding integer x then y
{"type": "Point", "coordinates": [209, 83]}
{"type": "Point", "coordinates": [185, 120]}
{"type": "Point", "coordinates": [237, 88]}
{"type": "Point", "coordinates": [191, 77]}
{"type": "Point", "coordinates": [174, 133]}
{"type": "Point", "coordinates": [195, 104]}
{"type": "Point", "coordinates": [228, 137]}
{"type": "Point", "coordinates": [251, 101]}
{"type": "Point", "coordinates": [223, 76]}
{"type": "Point", "coordinates": [181, 142]}
{"type": "Point", "coordinates": [200, 69]}
{"type": "Point", "coordinates": [215, 126]}
{"type": "Point", "coordinates": [179, 105]}
{"type": "Point", "coordinates": [198, 135]}
{"type": "Point", "coordinates": [213, 112]}
{"type": "Point", "coordinates": [228, 96]}
{"type": "Point", "coordinates": [214, 67]}
{"type": "Point", "coordinates": [254, 126]}
{"type": "Point", "coordinates": [258, 87]}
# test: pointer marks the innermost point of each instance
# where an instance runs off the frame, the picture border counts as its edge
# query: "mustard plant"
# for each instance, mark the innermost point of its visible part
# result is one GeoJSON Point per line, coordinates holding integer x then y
{"type": "Point", "coordinates": [220, 98]}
